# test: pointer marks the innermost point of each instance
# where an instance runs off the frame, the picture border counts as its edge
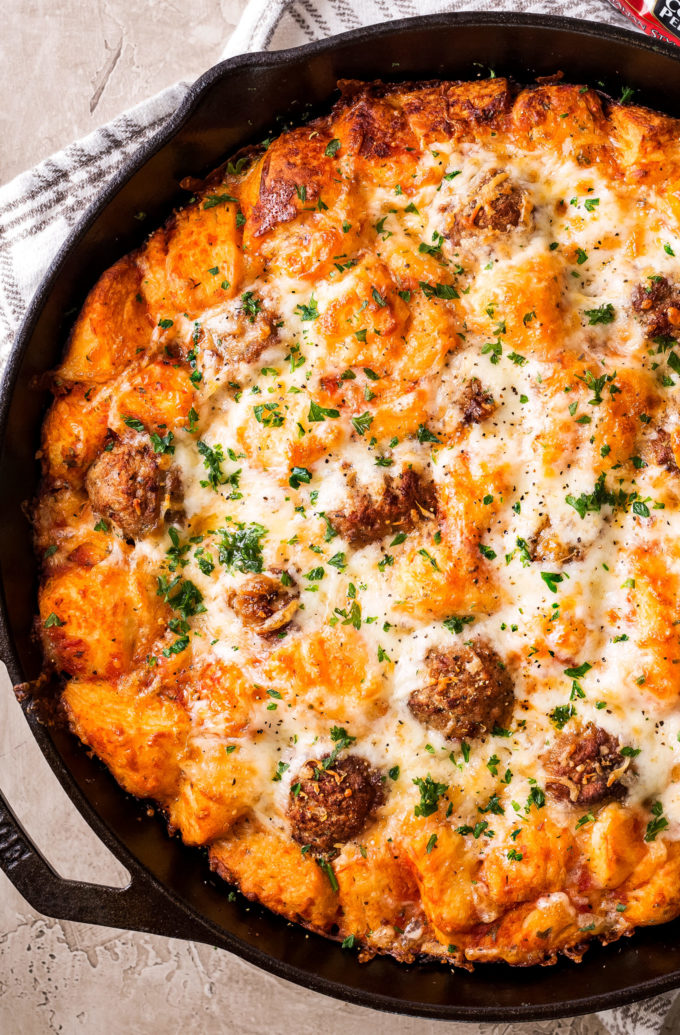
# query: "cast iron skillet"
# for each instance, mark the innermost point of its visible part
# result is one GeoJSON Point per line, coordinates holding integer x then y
{"type": "Point", "coordinates": [171, 891]}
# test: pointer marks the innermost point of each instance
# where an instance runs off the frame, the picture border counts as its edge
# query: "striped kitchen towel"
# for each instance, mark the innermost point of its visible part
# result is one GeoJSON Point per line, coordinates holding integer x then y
{"type": "Point", "coordinates": [39, 207]}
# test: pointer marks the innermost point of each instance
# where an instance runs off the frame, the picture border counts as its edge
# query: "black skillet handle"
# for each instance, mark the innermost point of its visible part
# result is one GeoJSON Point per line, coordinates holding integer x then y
{"type": "Point", "coordinates": [141, 906]}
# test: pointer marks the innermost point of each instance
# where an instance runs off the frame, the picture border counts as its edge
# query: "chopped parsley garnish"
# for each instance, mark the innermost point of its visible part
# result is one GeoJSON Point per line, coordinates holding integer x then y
{"type": "Point", "coordinates": [180, 644]}
{"type": "Point", "coordinates": [431, 843]}
{"type": "Point", "coordinates": [536, 797]}
{"type": "Point", "coordinates": [596, 384]}
{"type": "Point", "coordinates": [317, 413]}
{"type": "Point", "coordinates": [351, 617]}
{"type": "Point", "coordinates": [494, 350]}
{"type": "Point", "coordinates": [481, 827]}
{"type": "Point", "coordinates": [240, 548]}
{"type": "Point", "coordinates": [362, 423]}
{"type": "Point", "coordinates": [551, 579]}
{"type": "Point", "coordinates": [579, 671]}
{"type": "Point", "coordinates": [330, 532]}
{"type": "Point", "coordinates": [308, 312]}
{"type": "Point", "coordinates": [378, 298]}
{"type": "Point", "coordinates": [342, 740]}
{"type": "Point", "coordinates": [430, 793]}
{"type": "Point", "coordinates": [588, 818]}
{"type": "Point", "coordinates": [205, 562]}
{"type": "Point", "coordinates": [657, 823]}
{"type": "Point", "coordinates": [423, 434]}
{"type": "Point", "coordinates": [187, 598]}
{"type": "Point", "coordinates": [281, 768]}
{"type": "Point", "coordinates": [219, 199]}
{"type": "Point", "coordinates": [591, 204]}
{"type": "Point", "coordinates": [177, 551]}
{"type": "Point", "coordinates": [673, 361]}
{"type": "Point", "coordinates": [213, 458]}
{"type": "Point", "coordinates": [561, 715]}
{"type": "Point", "coordinates": [603, 314]}
{"type": "Point", "coordinates": [134, 423]}
{"type": "Point", "coordinates": [456, 624]}
{"type": "Point", "coordinates": [428, 557]}
{"type": "Point", "coordinates": [444, 291]}
{"type": "Point", "coordinates": [268, 414]}
{"type": "Point", "coordinates": [101, 526]}
{"type": "Point", "coordinates": [332, 148]}
{"type": "Point", "coordinates": [165, 323]}
{"type": "Point", "coordinates": [514, 855]}
{"type": "Point", "coordinates": [234, 168]}
{"type": "Point", "coordinates": [493, 805]}
{"type": "Point", "coordinates": [327, 868]}
{"type": "Point", "coordinates": [487, 552]}
{"type": "Point", "coordinates": [601, 496]}
{"type": "Point", "coordinates": [162, 443]}
{"type": "Point", "coordinates": [524, 552]}
{"type": "Point", "coordinates": [250, 305]}
{"type": "Point", "coordinates": [53, 620]}
{"type": "Point", "coordinates": [393, 773]}
{"type": "Point", "coordinates": [432, 249]}
{"type": "Point", "coordinates": [298, 475]}
{"type": "Point", "coordinates": [493, 764]}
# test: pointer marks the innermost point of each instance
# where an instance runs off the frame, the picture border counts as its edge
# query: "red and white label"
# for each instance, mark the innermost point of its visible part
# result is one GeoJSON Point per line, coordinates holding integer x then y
{"type": "Point", "coordinates": [659, 18]}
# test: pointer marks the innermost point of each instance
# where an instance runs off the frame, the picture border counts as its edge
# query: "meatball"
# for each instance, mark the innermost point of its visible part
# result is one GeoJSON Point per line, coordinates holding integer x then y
{"type": "Point", "coordinates": [496, 204]}
{"type": "Point", "coordinates": [586, 767]}
{"type": "Point", "coordinates": [476, 403]}
{"type": "Point", "coordinates": [328, 806]}
{"type": "Point", "coordinates": [245, 329]}
{"type": "Point", "coordinates": [662, 451]}
{"type": "Point", "coordinates": [125, 485]}
{"type": "Point", "coordinates": [546, 545]}
{"type": "Point", "coordinates": [658, 304]}
{"type": "Point", "coordinates": [405, 500]}
{"type": "Point", "coordinates": [264, 603]}
{"type": "Point", "coordinates": [468, 693]}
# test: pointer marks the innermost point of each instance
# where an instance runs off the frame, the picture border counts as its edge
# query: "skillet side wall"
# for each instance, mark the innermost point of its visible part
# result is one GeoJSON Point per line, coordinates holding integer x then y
{"type": "Point", "coordinates": [236, 103]}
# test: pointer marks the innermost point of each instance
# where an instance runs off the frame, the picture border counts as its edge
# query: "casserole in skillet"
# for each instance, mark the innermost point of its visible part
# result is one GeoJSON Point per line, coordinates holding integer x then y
{"type": "Point", "coordinates": [641, 966]}
{"type": "Point", "coordinates": [359, 513]}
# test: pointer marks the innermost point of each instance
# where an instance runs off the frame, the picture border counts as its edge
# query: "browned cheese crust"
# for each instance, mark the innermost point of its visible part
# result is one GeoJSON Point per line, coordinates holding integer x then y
{"type": "Point", "coordinates": [359, 521]}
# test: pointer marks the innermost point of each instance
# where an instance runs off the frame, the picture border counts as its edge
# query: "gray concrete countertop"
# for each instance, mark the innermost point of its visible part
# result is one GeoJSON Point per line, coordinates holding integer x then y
{"type": "Point", "coordinates": [68, 67]}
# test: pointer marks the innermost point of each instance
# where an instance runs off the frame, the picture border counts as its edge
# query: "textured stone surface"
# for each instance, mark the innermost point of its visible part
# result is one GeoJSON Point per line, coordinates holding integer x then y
{"type": "Point", "coordinates": [69, 66]}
